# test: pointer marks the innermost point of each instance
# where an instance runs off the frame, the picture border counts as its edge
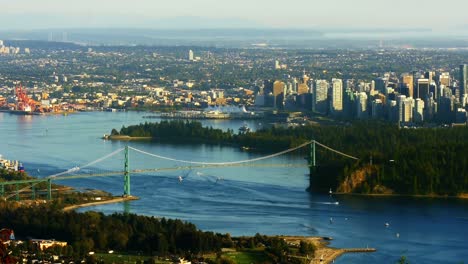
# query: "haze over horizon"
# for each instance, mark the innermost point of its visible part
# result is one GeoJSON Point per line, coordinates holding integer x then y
{"type": "Point", "coordinates": [304, 14]}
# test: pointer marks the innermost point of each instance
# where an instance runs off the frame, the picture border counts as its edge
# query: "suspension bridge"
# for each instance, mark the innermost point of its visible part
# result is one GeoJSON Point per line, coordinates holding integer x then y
{"type": "Point", "coordinates": [29, 185]}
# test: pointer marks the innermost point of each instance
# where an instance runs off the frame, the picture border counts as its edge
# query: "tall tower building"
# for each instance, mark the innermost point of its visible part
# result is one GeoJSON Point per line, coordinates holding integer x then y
{"type": "Point", "coordinates": [319, 99]}
{"type": "Point", "coordinates": [277, 65]}
{"type": "Point", "coordinates": [278, 94]}
{"type": "Point", "coordinates": [463, 83]}
{"type": "Point", "coordinates": [422, 88]}
{"type": "Point", "coordinates": [377, 108]}
{"type": "Point", "coordinates": [408, 110]}
{"type": "Point", "coordinates": [408, 80]}
{"type": "Point", "coordinates": [444, 79]}
{"type": "Point", "coordinates": [294, 85]}
{"type": "Point", "coordinates": [361, 104]}
{"type": "Point", "coordinates": [190, 55]}
{"type": "Point", "coordinates": [418, 115]}
{"type": "Point", "coordinates": [400, 106]}
{"type": "Point", "coordinates": [337, 96]}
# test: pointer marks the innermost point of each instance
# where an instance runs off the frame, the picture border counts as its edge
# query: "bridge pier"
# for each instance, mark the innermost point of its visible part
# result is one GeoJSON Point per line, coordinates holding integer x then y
{"type": "Point", "coordinates": [126, 174]}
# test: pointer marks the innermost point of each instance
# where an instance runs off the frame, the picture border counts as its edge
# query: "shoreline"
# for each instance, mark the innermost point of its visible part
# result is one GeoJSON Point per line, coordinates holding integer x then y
{"type": "Point", "coordinates": [113, 200]}
{"type": "Point", "coordinates": [124, 137]}
{"type": "Point", "coordinates": [433, 196]}
{"type": "Point", "coordinates": [323, 253]}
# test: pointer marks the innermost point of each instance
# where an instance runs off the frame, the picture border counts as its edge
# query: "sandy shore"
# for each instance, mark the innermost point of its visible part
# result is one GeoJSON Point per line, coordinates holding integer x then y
{"type": "Point", "coordinates": [323, 253]}
{"type": "Point", "coordinates": [114, 200]}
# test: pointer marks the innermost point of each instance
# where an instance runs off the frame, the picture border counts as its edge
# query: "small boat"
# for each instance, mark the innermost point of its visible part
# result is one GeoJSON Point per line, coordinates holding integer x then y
{"type": "Point", "coordinates": [387, 224]}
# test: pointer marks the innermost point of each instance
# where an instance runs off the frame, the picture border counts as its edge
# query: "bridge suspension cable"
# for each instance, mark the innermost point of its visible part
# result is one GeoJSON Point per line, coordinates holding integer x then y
{"type": "Point", "coordinates": [223, 163]}
{"type": "Point", "coordinates": [74, 169]}
{"type": "Point", "coordinates": [336, 151]}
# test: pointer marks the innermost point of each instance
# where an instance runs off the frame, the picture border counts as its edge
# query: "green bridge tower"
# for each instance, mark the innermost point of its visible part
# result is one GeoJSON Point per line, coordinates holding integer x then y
{"type": "Point", "coordinates": [126, 174]}
{"type": "Point", "coordinates": [312, 166]}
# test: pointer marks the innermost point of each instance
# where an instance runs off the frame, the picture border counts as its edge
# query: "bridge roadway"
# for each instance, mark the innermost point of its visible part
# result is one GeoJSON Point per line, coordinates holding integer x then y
{"type": "Point", "coordinates": [140, 171]}
{"type": "Point", "coordinates": [31, 182]}
{"type": "Point", "coordinates": [69, 174]}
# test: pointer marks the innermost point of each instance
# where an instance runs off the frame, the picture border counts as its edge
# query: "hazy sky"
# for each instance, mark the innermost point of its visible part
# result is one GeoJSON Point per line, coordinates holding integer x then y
{"type": "Point", "coordinates": [233, 13]}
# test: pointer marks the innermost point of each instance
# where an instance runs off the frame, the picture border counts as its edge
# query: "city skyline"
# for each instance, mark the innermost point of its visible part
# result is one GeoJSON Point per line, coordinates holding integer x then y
{"type": "Point", "coordinates": [366, 14]}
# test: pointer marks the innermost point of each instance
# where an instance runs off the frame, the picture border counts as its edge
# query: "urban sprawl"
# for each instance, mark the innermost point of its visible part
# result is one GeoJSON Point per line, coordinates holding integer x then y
{"type": "Point", "coordinates": [404, 85]}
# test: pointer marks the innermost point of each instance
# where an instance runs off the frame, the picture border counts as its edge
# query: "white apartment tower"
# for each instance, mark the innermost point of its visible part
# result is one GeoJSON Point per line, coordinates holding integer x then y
{"type": "Point", "coordinates": [337, 96]}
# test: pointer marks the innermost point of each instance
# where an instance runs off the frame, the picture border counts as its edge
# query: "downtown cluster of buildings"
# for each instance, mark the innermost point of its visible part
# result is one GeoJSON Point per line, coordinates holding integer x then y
{"type": "Point", "coordinates": [5, 50]}
{"type": "Point", "coordinates": [408, 98]}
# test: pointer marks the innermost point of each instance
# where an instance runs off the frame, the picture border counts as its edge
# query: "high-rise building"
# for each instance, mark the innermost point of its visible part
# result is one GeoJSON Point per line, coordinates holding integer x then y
{"type": "Point", "coordinates": [381, 85]}
{"type": "Point", "coordinates": [294, 85]}
{"type": "Point", "coordinates": [418, 115]}
{"type": "Point", "coordinates": [337, 96]}
{"type": "Point", "coordinates": [349, 106]}
{"type": "Point", "coordinates": [430, 109]}
{"type": "Point", "coordinates": [319, 101]}
{"type": "Point", "coordinates": [463, 83]}
{"type": "Point", "coordinates": [377, 109]}
{"type": "Point", "coordinates": [278, 93]}
{"type": "Point", "coordinates": [444, 79]}
{"type": "Point", "coordinates": [408, 80]}
{"type": "Point", "coordinates": [302, 88]}
{"type": "Point", "coordinates": [407, 115]}
{"type": "Point", "coordinates": [422, 88]}
{"type": "Point", "coordinates": [400, 101]}
{"type": "Point", "coordinates": [190, 55]}
{"type": "Point", "coordinates": [361, 103]}
{"type": "Point", "coordinates": [277, 65]}
{"type": "Point", "coordinates": [392, 110]}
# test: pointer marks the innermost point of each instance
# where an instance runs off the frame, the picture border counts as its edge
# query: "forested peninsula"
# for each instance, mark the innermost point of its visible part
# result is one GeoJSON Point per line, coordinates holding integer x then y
{"type": "Point", "coordinates": [422, 161]}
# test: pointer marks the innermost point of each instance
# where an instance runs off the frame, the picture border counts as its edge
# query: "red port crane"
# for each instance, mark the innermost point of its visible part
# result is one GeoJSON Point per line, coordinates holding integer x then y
{"type": "Point", "coordinates": [24, 102]}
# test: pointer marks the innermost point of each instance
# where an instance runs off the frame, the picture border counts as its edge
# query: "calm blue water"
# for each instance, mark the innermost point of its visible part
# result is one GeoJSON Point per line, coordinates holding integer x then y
{"type": "Point", "coordinates": [241, 201]}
